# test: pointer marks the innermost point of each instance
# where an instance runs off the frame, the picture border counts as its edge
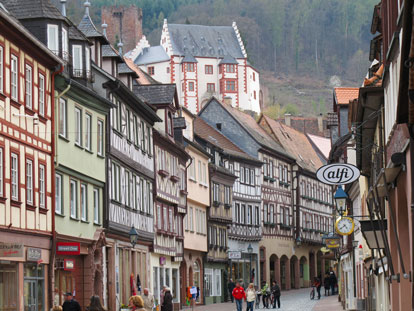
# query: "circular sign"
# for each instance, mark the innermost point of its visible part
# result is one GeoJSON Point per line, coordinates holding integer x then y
{"type": "Point", "coordinates": [338, 174]}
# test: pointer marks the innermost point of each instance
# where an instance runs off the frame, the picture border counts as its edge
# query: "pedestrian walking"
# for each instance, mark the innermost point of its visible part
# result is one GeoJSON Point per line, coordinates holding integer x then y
{"type": "Point", "coordinates": [148, 300]}
{"type": "Point", "coordinates": [326, 284]}
{"type": "Point", "coordinates": [239, 294]}
{"type": "Point", "coordinates": [332, 281]}
{"type": "Point", "coordinates": [95, 304]}
{"type": "Point", "coordinates": [276, 295]}
{"type": "Point", "coordinates": [250, 297]}
{"type": "Point", "coordinates": [136, 303]}
{"type": "Point", "coordinates": [167, 304]}
{"type": "Point", "coordinates": [230, 287]}
{"type": "Point", "coordinates": [265, 295]}
{"type": "Point", "coordinates": [162, 294]}
{"type": "Point", "coordinates": [317, 283]}
{"type": "Point", "coordinates": [70, 303]}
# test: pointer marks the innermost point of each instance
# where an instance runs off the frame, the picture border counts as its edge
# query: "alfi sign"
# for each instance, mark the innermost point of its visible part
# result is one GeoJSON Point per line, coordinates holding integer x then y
{"type": "Point", "coordinates": [338, 174]}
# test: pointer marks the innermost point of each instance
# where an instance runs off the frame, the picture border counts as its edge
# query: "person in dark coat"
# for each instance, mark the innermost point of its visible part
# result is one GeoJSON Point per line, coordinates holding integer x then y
{"type": "Point", "coordinates": [327, 284]}
{"type": "Point", "coordinates": [70, 303]}
{"type": "Point", "coordinates": [167, 304]}
{"type": "Point", "coordinates": [230, 287]}
{"type": "Point", "coordinates": [332, 281]}
{"type": "Point", "coordinates": [275, 289]}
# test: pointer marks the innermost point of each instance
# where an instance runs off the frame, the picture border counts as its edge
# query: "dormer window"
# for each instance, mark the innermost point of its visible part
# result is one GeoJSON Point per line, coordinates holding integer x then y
{"type": "Point", "coordinates": [190, 67]}
{"type": "Point", "coordinates": [88, 61]}
{"type": "Point", "coordinates": [77, 60]}
{"type": "Point", "coordinates": [52, 38]}
{"type": "Point", "coordinates": [65, 45]}
{"type": "Point", "coordinates": [230, 68]}
{"type": "Point", "coordinates": [169, 123]}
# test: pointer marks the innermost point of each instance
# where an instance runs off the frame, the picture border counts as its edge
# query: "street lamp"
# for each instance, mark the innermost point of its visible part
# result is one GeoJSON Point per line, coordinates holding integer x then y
{"type": "Point", "coordinates": [340, 199]}
{"type": "Point", "coordinates": [250, 251]}
{"type": "Point", "coordinates": [298, 241]}
{"type": "Point", "coordinates": [133, 236]}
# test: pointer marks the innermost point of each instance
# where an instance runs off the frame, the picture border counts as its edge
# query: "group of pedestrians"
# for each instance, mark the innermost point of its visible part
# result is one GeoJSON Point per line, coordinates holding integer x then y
{"type": "Point", "coordinates": [329, 283]}
{"type": "Point", "coordinates": [250, 295]}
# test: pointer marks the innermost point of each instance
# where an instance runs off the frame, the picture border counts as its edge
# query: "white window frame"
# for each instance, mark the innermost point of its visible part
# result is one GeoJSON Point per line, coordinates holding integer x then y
{"type": "Point", "coordinates": [127, 193]}
{"type": "Point", "coordinates": [78, 126]}
{"type": "Point", "coordinates": [88, 131]}
{"type": "Point", "coordinates": [217, 282]}
{"type": "Point", "coordinates": [88, 60]}
{"type": "Point", "coordinates": [42, 85]}
{"type": "Point", "coordinates": [77, 52]}
{"type": "Point", "coordinates": [209, 279]}
{"type": "Point", "coordinates": [73, 190]}
{"type": "Point", "coordinates": [84, 201]}
{"type": "Point", "coordinates": [63, 117]}
{"type": "Point", "coordinates": [14, 167]}
{"type": "Point", "coordinates": [65, 45]}
{"type": "Point", "coordinates": [29, 181]}
{"type": "Point", "coordinates": [191, 219]}
{"type": "Point", "coordinates": [14, 77]}
{"type": "Point", "coordinates": [100, 138]}
{"type": "Point", "coordinates": [28, 75]}
{"type": "Point", "coordinates": [53, 41]}
{"type": "Point", "coordinates": [58, 194]}
{"type": "Point", "coordinates": [96, 206]}
{"type": "Point", "coordinates": [42, 186]}
{"type": "Point", "coordinates": [1, 68]}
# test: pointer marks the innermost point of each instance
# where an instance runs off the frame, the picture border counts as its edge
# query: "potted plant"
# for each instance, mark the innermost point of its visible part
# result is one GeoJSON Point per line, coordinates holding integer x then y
{"type": "Point", "coordinates": [124, 307]}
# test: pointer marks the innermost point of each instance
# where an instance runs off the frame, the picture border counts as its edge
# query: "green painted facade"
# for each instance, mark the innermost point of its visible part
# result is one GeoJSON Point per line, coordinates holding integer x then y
{"type": "Point", "coordinates": [222, 267]}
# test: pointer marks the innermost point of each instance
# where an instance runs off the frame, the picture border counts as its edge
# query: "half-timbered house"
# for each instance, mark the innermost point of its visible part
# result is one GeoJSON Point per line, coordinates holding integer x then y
{"type": "Point", "coordinates": [27, 75]}
{"type": "Point", "coordinates": [312, 201]}
{"type": "Point", "coordinates": [245, 231]}
{"type": "Point", "coordinates": [276, 190]}
{"type": "Point", "coordinates": [170, 200]}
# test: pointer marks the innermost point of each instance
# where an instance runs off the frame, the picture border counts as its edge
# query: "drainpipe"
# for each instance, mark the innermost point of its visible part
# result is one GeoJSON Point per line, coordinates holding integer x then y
{"type": "Point", "coordinates": [52, 252]}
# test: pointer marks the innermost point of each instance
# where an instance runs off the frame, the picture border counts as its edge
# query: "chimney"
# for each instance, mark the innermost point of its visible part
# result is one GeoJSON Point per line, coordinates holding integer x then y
{"type": "Point", "coordinates": [120, 45]}
{"type": "Point", "coordinates": [320, 123]}
{"type": "Point", "coordinates": [287, 118]}
{"type": "Point", "coordinates": [104, 26]}
{"type": "Point", "coordinates": [63, 2]}
{"type": "Point", "coordinates": [87, 4]}
{"type": "Point", "coordinates": [227, 100]}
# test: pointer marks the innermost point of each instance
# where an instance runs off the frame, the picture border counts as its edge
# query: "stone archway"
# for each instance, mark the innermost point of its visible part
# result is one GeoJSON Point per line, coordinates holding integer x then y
{"type": "Point", "coordinates": [284, 272]}
{"type": "Point", "coordinates": [274, 269]}
{"type": "Point", "coordinates": [294, 272]}
{"type": "Point", "coordinates": [304, 272]}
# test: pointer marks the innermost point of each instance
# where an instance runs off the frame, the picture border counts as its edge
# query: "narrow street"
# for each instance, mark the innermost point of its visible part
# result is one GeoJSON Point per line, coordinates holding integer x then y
{"type": "Point", "coordinates": [292, 300]}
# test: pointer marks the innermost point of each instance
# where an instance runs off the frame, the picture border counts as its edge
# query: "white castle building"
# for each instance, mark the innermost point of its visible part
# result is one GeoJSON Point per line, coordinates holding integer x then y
{"type": "Point", "coordinates": [203, 61]}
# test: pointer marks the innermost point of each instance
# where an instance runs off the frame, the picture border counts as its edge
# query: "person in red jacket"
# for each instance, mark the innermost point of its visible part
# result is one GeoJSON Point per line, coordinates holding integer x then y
{"type": "Point", "coordinates": [239, 294]}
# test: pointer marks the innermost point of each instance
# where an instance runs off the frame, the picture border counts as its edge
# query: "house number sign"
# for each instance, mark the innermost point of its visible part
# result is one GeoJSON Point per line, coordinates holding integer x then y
{"type": "Point", "coordinates": [338, 174]}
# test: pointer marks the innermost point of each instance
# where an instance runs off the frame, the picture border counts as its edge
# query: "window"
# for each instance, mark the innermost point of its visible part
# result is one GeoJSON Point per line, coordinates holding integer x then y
{"type": "Point", "coordinates": [149, 141]}
{"type": "Point", "coordinates": [265, 213]}
{"type": "Point", "coordinates": [217, 282]}
{"type": "Point", "coordinates": [190, 218]}
{"type": "Point", "coordinates": [14, 68]}
{"type": "Point", "coordinates": [143, 136]}
{"type": "Point", "coordinates": [29, 89]}
{"type": "Point", "coordinates": [167, 69]}
{"type": "Point", "coordinates": [216, 190]}
{"type": "Point", "coordinates": [252, 177]}
{"type": "Point", "coordinates": [41, 94]}
{"type": "Point", "coordinates": [191, 86]}
{"type": "Point", "coordinates": [127, 188]}
{"type": "Point", "coordinates": [271, 213]}
{"type": "Point", "coordinates": [246, 175]}
{"type": "Point", "coordinates": [257, 216]}
{"type": "Point", "coordinates": [29, 182]}
{"type": "Point", "coordinates": [204, 181]}
{"type": "Point", "coordinates": [265, 168]}
{"type": "Point", "coordinates": [65, 45]}
{"type": "Point", "coordinates": [78, 126]}
{"type": "Point", "coordinates": [254, 76]}
{"type": "Point", "coordinates": [192, 170]}
{"type": "Point", "coordinates": [137, 139]}
{"type": "Point", "coordinates": [249, 215]}
{"type": "Point", "coordinates": [226, 195]}
{"type": "Point", "coordinates": [128, 124]}
{"type": "Point", "coordinates": [52, 38]}
{"type": "Point", "coordinates": [230, 68]}
{"type": "Point", "coordinates": [73, 199]}
{"type": "Point", "coordinates": [165, 218]}
{"type": "Point", "coordinates": [209, 69]}
{"type": "Point", "coordinates": [96, 206]}
{"type": "Point", "coordinates": [58, 194]}
{"type": "Point", "coordinates": [190, 67]}
{"type": "Point", "coordinates": [15, 177]}
{"type": "Point", "coordinates": [151, 70]}
{"type": "Point", "coordinates": [100, 138]}
{"type": "Point", "coordinates": [1, 173]}
{"type": "Point", "coordinates": [42, 186]}
{"type": "Point", "coordinates": [62, 118]}
{"type": "Point", "coordinates": [1, 68]}
{"type": "Point", "coordinates": [208, 276]}
{"type": "Point", "coordinates": [254, 94]}
{"type": "Point", "coordinates": [84, 202]}
{"type": "Point", "coordinates": [88, 131]}
{"type": "Point", "coordinates": [271, 174]}
{"type": "Point", "coordinates": [77, 60]}
{"type": "Point", "coordinates": [242, 175]}
{"type": "Point", "coordinates": [200, 172]}
{"type": "Point", "coordinates": [231, 86]}
{"type": "Point", "coordinates": [169, 123]}
{"type": "Point", "coordinates": [211, 87]}
{"type": "Point", "coordinates": [88, 60]}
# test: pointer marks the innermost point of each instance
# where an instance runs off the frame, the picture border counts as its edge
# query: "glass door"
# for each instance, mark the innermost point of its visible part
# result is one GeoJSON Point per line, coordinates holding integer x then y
{"type": "Point", "coordinates": [30, 295]}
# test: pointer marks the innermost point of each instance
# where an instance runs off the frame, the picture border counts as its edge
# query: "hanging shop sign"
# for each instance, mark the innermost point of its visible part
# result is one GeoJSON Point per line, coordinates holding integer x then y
{"type": "Point", "coordinates": [234, 255]}
{"type": "Point", "coordinates": [68, 264]}
{"type": "Point", "coordinates": [333, 242]}
{"type": "Point", "coordinates": [338, 174]}
{"type": "Point", "coordinates": [33, 254]}
{"type": "Point", "coordinates": [68, 248]}
{"type": "Point", "coordinates": [11, 250]}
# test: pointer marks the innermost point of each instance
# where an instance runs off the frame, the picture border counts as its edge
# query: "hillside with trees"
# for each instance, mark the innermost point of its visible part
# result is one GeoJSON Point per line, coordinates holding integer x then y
{"type": "Point", "coordinates": [298, 45]}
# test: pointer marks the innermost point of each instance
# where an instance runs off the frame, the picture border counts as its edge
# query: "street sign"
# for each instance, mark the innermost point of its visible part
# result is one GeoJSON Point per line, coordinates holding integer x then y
{"type": "Point", "coordinates": [338, 174]}
{"type": "Point", "coordinates": [234, 255]}
{"type": "Point", "coordinates": [68, 248]}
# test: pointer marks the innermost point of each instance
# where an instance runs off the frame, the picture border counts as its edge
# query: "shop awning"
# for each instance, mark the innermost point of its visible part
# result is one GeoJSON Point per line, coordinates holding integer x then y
{"type": "Point", "coordinates": [369, 228]}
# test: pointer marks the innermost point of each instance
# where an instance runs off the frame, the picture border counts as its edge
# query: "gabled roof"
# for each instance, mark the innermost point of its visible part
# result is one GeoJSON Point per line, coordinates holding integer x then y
{"type": "Point", "coordinates": [214, 137]}
{"type": "Point", "coordinates": [28, 9]}
{"type": "Point", "coordinates": [143, 77]}
{"type": "Point", "coordinates": [87, 27]}
{"type": "Point", "coordinates": [157, 94]}
{"type": "Point", "coordinates": [344, 94]}
{"type": "Point", "coordinates": [153, 54]}
{"type": "Point", "coordinates": [322, 143]}
{"type": "Point", "coordinates": [188, 58]}
{"type": "Point", "coordinates": [250, 125]}
{"type": "Point", "coordinates": [207, 41]}
{"type": "Point", "coordinates": [228, 59]}
{"type": "Point", "coordinates": [109, 51]}
{"type": "Point", "coordinates": [76, 34]}
{"type": "Point", "coordinates": [295, 142]}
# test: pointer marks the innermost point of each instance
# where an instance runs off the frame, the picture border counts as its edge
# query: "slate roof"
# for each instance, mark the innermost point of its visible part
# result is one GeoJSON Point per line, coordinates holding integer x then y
{"type": "Point", "coordinates": [344, 94]}
{"type": "Point", "coordinates": [156, 93]}
{"type": "Point", "coordinates": [87, 27]}
{"type": "Point", "coordinates": [188, 58]}
{"type": "Point", "coordinates": [296, 143]}
{"type": "Point", "coordinates": [27, 9]}
{"type": "Point", "coordinates": [214, 137]}
{"type": "Point", "coordinates": [209, 41]}
{"type": "Point", "coordinates": [124, 68]}
{"type": "Point", "coordinates": [109, 51]}
{"type": "Point", "coordinates": [153, 54]}
{"type": "Point", "coordinates": [76, 34]}
{"type": "Point", "coordinates": [228, 59]}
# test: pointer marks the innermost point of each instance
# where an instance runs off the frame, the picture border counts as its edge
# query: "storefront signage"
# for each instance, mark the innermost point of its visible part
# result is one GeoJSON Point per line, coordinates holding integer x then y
{"type": "Point", "coordinates": [338, 174]}
{"type": "Point", "coordinates": [332, 242]}
{"type": "Point", "coordinates": [11, 250]}
{"type": "Point", "coordinates": [68, 264]}
{"type": "Point", "coordinates": [68, 248]}
{"type": "Point", "coordinates": [33, 254]}
{"type": "Point", "coordinates": [235, 255]}
{"type": "Point", "coordinates": [163, 261]}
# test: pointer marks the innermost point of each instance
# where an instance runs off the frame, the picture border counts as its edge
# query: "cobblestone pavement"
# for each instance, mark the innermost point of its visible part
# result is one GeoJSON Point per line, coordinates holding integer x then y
{"type": "Point", "coordinates": [292, 300]}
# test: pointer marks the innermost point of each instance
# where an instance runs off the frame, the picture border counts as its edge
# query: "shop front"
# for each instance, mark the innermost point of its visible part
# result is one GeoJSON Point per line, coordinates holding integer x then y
{"type": "Point", "coordinates": [243, 257]}
{"type": "Point", "coordinates": [215, 282]}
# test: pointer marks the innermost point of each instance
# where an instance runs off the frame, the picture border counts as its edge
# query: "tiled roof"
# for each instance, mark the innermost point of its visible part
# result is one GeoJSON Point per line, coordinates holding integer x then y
{"type": "Point", "coordinates": [143, 77]}
{"type": "Point", "coordinates": [124, 68]}
{"type": "Point", "coordinates": [76, 34]}
{"type": "Point", "coordinates": [323, 144]}
{"type": "Point", "coordinates": [88, 27]}
{"type": "Point", "coordinates": [153, 54]}
{"type": "Point", "coordinates": [26, 9]}
{"type": "Point", "coordinates": [156, 93]}
{"type": "Point", "coordinates": [214, 137]}
{"type": "Point", "coordinates": [296, 143]}
{"type": "Point", "coordinates": [109, 51]}
{"type": "Point", "coordinates": [307, 125]}
{"type": "Point", "coordinates": [344, 94]}
{"type": "Point", "coordinates": [205, 41]}
{"type": "Point", "coordinates": [228, 59]}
